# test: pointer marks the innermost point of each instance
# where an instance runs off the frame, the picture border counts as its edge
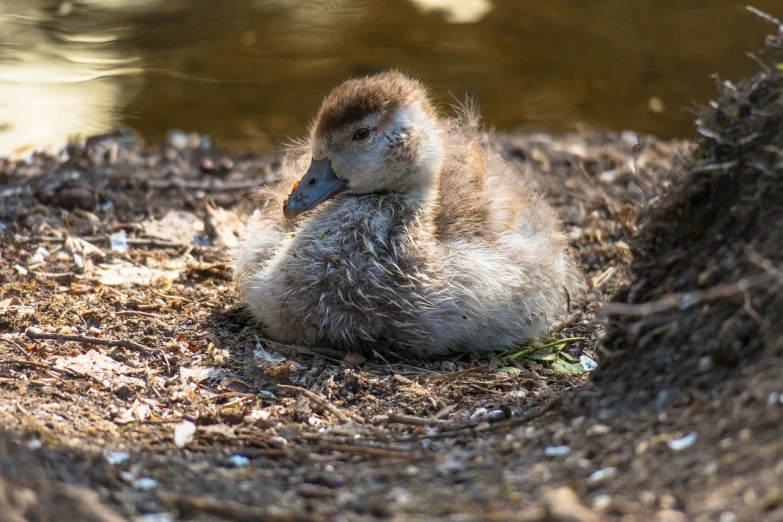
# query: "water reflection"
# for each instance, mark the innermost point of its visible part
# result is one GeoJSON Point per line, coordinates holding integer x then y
{"type": "Point", "coordinates": [251, 72]}
{"type": "Point", "coordinates": [61, 72]}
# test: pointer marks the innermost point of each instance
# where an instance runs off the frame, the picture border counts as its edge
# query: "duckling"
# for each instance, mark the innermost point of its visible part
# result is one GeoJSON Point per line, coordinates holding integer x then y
{"type": "Point", "coordinates": [405, 234]}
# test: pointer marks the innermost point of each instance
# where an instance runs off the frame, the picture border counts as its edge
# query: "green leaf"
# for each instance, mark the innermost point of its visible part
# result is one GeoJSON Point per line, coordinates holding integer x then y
{"type": "Point", "coordinates": [542, 355]}
{"type": "Point", "coordinates": [564, 367]}
{"type": "Point", "coordinates": [568, 357]}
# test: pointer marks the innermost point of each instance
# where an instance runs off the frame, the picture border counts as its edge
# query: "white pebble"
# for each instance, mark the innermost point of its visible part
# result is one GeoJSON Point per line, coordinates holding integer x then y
{"type": "Point", "coordinates": [683, 442]}
{"type": "Point", "coordinates": [115, 457]}
{"type": "Point", "coordinates": [557, 451]}
{"type": "Point", "coordinates": [183, 433]}
{"type": "Point", "coordinates": [601, 475]}
{"type": "Point", "coordinates": [119, 241]}
{"type": "Point", "coordinates": [145, 483]}
{"type": "Point", "coordinates": [238, 461]}
{"type": "Point", "coordinates": [587, 363]}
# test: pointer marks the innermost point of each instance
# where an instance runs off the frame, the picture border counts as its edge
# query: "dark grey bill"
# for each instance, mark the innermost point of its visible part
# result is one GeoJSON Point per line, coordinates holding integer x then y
{"type": "Point", "coordinates": [318, 184]}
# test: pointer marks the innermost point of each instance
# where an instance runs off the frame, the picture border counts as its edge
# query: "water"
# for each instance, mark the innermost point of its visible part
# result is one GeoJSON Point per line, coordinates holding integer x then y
{"type": "Point", "coordinates": [252, 72]}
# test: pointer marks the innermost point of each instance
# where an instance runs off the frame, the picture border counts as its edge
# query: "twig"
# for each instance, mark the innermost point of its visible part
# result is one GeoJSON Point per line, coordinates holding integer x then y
{"type": "Point", "coordinates": [15, 343]}
{"type": "Point", "coordinates": [56, 275]}
{"type": "Point", "coordinates": [231, 510]}
{"type": "Point", "coordinates": [450, 375]}
{"type": "Point", "coordinates": [248, 184]}
{"type": "Point", "coordinates": [375, 452]}
{"type": "Point", "coordinates": [37, 382]}
{"type": "Point", "coordinates": [532, 514]}
{"type": "Point", "coordinates": [323, 352]}
{"type": "Point", "coordinates": [524, 419]}
{"type": "Point", "coordinates": [31, 364]}
{"type": "Point", "coordinates": [160, 294]}
{"type": "Point", "coordinates": [473, 426]}
{"type": "Point", "coordinates": [133, 241]}
{"type": "Point", "coordinates": [483, 390]}
{"type": "Point", "coordinates": [686, 300]}
{"type": "Point", "coordinates": [137, 312]}
{"type": "Point", "coordinates": [337, 412]}
{"type": "Point", "coordinates": [605, 277]}
{"type": "Point", "coordinates": [36, 334]}
{"type": "Point", "coordinates": [398, 418]}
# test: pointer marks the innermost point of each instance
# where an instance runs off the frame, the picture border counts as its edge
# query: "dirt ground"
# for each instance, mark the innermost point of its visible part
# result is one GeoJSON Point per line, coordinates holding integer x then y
{"type": "Point", "coordinates": [133, 386]}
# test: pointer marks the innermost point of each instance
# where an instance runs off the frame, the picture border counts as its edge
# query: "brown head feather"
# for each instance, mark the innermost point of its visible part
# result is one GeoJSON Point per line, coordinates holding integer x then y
{"type": "Point", "coordinates": [355, 99]}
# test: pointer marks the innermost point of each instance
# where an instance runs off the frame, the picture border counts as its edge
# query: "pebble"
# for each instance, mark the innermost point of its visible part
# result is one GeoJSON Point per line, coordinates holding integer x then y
{"type": "Point", "coordinates": [563, 504]}
{"type": "Point", "coordinates": [277, 442]}
{"type": "Point", "coordinates": [478, 413]}
{"type": "Point", "coordinates": [667, 502]}
{"type": "Point", "coordinates": [648, 498]}
{"type": "Point", "coordinates": [119, 241]}
{"type": "Point", "coordinates": [177, 139]}
{"type": "Point", "coordinates": [557, 451]}
{"type": "Point", "coordinates": [603, 503]}
{"type": "Point", "coordinates": [115, 457]}
{"type": "Point", "coordinates": [598, 429]}
{"type": "Point", "coordinates": [238, 461]}
{"type": "Point", "coordinates": [706, 364]}
{"type": "Point", "coordinates": [155, 517]}
{"type": "Point", "coordinates": [183, 433]}
{"type": "Point", "coordinates": [670, 515]}
{"type": "Point", "coordinates": [40, 256]}
{"type": "Point", "coordinates": [313, 491]}
{"type": "Point", "coordinates": [587, 363]}
{"type": "Point", "coordinates": [683, 442]}
{"type": "Point", "coordinates": [601, 475]}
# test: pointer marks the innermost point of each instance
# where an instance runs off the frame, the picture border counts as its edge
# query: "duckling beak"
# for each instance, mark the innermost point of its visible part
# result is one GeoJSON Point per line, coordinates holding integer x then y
{"type": "Point", "coordinates": [318, 184]}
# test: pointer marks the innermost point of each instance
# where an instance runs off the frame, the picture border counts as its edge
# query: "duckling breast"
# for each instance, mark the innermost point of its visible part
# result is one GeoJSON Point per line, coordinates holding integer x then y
{"type": "Point", "coordinates": [349, 278]}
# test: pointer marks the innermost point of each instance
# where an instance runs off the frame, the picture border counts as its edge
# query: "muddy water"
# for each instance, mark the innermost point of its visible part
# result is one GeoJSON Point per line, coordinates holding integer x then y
{"type": "Point", "coordinates": [252, 72]}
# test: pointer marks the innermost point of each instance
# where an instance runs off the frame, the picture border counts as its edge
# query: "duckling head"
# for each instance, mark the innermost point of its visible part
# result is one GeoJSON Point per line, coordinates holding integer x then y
{"type": "Point", "coordinates": [371, 135]}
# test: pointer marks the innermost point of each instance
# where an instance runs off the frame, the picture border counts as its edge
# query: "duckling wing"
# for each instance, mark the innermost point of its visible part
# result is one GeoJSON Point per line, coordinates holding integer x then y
{"type": "Point", "coordinates": [485, 202]}
{"type": "Point", "coordinates": [464, 210]}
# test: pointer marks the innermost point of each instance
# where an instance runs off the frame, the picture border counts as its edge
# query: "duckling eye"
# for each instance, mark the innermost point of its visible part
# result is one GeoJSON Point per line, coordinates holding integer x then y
{"type": "Point", "coordinates": [361, 134]}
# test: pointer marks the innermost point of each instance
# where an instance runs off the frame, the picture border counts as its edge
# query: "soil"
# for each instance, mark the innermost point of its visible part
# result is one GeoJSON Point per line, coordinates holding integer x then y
{"type": "Point", "coordinates": [134, 387]}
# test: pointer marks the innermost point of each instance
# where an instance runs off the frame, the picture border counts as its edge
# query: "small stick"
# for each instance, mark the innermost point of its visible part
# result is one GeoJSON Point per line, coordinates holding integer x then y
{"type": "Point", "coordinates": [37, 382]}
{"type": "Point", "coordinates": [337, 412]}
{"type": "Point", "coordinates": [133, 241]}
{"type": "Point", "coordinates": [314, 350]}
{"type": "Point", "coordinates": [398, 418]}
{"type": "Point", "coordinates": [228, 509]}
{"type": "Point", "coordinates": [524, 419]}
{"type": "Point", "coordinates": [533, 514]}
{"type": "Point", "coordinates": [460, 372]}
{"type": "Point", "coordinates": [183, 299]}
{"type": "Point", "coordinates": [375, 452]}
{"type": "Point", "coordinates": [36, 334]}
{"type": "Point", "coordinates": [507, 423]}
{"type": "Point", "coordinates": [42, 366]}
{"type": "Point", "coordinates": [248, 184]}
{"type": "Point", "coordinates": [137, 312]}
{"type": "Point", "coordinates": [688, 299]}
